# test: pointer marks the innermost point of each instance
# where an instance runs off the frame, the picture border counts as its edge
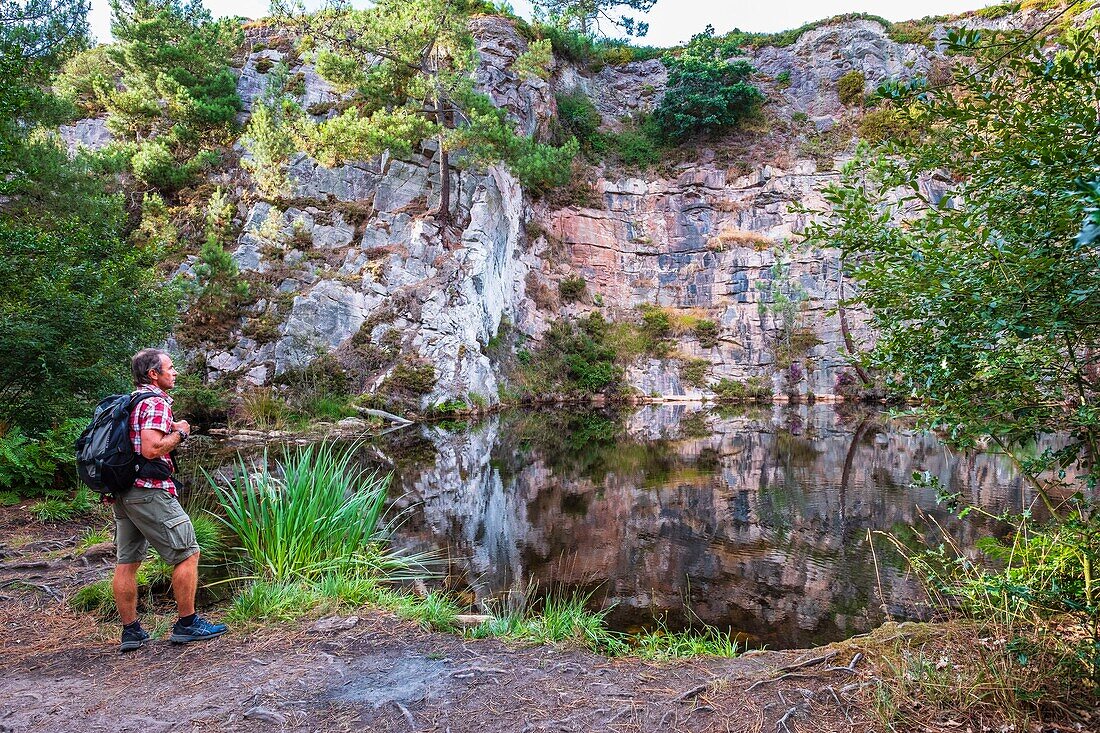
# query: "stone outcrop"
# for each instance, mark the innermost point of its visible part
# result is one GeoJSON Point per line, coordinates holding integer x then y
{"type": "Point", "coordinates": [352, 260]}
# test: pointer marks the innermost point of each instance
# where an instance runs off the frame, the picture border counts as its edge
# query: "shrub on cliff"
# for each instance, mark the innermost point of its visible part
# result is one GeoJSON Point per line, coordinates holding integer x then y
{"type": "Point", "coordinates": [849, 88]}
{"type": "Point", "coordinates": [706, 93]}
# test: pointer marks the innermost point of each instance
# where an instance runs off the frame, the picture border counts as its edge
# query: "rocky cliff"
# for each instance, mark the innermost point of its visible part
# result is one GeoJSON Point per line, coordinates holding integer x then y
{"type": "Point", "coordinates": [354, 264]}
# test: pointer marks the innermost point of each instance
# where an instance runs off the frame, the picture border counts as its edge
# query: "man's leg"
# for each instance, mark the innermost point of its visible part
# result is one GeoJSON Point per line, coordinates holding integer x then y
{"type": "Point", "coordinates": [124, 585]}
{"type": "Point", "coordinates": [185, 579]}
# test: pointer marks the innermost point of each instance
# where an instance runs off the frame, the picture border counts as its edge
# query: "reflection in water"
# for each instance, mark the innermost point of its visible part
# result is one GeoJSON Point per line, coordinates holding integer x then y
{"type": "Point", "coordinates": [753, 521]}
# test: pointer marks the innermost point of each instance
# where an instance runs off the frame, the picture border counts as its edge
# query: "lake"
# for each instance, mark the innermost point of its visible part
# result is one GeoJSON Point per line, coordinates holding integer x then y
{"type": "Point", "coordinates": [752, 519]}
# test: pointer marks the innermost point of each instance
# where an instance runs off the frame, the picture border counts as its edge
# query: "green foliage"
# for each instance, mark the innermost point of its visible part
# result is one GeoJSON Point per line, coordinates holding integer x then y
{"type": "Point", "coordinates": [204, 404]}
{"type": "Point", "coordinates": [272, 602]}
{"type": "Point", "coordinates": [75, 303]}
{"type": "Point", "coordinates": [572, 288]}
{"type": "Point", "coordinates": [585, 17]}
{"type": "Point", "coordinates": [321, 516]}
{"type": "Point", "coordinates": [92, 538]}
{"type": "Point", "coordinates": [268, 137]}
{"type": "Point", "coordinates": [707, 333]}
{"type": "Point", "coordinates": [783, 80]}
{"type": "Point", "coordinates": [662, 644]}
{"type": "Point", "coordinates": [9, 498]}
{"type": "Point", "coordinates": [75, 299]}
{"type": "Point", "coordinates": [753, 389]}
{"type": "Point", "coordinates": [416, 376]}
{"type": "Point", "coordinates": [987, 308]}
{"type": "Point", "coordinates": [435, 611]}
{"type": "Point", "coordinates": [421, 87]}
{"type": "Point", "coordinates": [32, 466]}
{"type": "Point", "coordinates": [577, 356]}
{"type": "Point", "coordinates": [694, 372]}
{"type": "Point", "coordinates": [578, 117]}
{"type": "Point", "coordinates": [535, 61]}
{"type": "Point", "coordinates": [849, 88]}
{"type": "Point", "coordinates": [220, 293]}
{"type": "Point", "coordinates": [86, 80]}
{"type": "Point", "coordinates": [888, 124]}
{"type": "Point", "coordinates": [96, 598]}
{"type": "Point", "coordinates": [560, 619]}
{"type": "Point", "coordinates": [51, 510]}
{"type": "Point", "coordinates": [59, 507]}
{"type": "Point", "coordinates": [705, 94]}
{"type": "Point", "coordinates": [153, 163]}
{"type": "Point", "coordinates": [993, 12]}
{"type": "Point", "coordinates": [637, 146]}
{"type": "Point", "coordinates": [173, 61]}
{"type": "Point", "coordinates": [787, 38]}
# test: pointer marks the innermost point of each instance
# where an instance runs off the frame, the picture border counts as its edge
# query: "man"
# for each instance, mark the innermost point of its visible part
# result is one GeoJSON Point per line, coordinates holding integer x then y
{"type": "Point", "coordinates": [150, 513]}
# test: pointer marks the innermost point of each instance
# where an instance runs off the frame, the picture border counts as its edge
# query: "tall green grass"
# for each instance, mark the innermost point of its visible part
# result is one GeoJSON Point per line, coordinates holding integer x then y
{"type": "Point", "coordinates": [316, 515]}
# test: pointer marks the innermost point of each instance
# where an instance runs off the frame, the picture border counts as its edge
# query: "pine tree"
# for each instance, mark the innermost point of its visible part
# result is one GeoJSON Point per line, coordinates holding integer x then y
{"type": "Point", "coordinates": [587, 16]}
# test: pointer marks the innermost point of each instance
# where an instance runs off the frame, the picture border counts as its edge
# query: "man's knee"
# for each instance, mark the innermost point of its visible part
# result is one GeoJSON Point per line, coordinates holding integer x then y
{"type": "Point", "coordinates": [189, 561]}
{"type": "Point", "coordinates": [126, 569]}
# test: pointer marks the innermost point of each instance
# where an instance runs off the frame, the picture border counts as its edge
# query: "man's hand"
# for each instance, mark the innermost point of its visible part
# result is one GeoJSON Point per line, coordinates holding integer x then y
{"type": "Point", "coordinates": [182, 425]}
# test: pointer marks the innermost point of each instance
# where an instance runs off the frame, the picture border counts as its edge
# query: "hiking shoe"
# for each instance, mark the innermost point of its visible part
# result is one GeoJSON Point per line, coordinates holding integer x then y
{"type": "Point", "coordinates": [133, 639]}
{"type": "Point", "coordinates": [199, 630]}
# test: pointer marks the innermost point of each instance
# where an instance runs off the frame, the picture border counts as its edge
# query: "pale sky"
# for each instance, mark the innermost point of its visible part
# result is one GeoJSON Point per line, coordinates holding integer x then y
{"type": "Point", "coordinates": [671, 22]}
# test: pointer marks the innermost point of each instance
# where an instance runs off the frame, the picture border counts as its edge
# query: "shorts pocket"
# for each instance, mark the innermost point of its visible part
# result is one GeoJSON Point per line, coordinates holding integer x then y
{"type": "Point", "coordinates": [134, 498]}
{"type": "Point", "coordinates": [181, 534]}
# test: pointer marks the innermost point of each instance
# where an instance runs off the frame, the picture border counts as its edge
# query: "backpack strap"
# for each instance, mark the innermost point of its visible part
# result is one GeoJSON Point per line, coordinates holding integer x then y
{"type": "Point", "coordinates": [150, 469]}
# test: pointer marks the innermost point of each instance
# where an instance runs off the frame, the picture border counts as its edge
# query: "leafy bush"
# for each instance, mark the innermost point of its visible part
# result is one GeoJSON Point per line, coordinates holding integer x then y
{"type": "Point", "coordinates": [572, 288]}
{"type": "Point", "coordinates": [849, 88]}
{"type": "Point", "coordinates": [204, 405]}
{"type": "Point", "coordinates": [75, 304]}
{"type": "Point", "coordinates": [705, 93]}
{"type": "Point", "coordinates": [707, 333]}
{"type": "Point", "coordinates": [268, 136]}
{"type": "Point", "coordinates": [752, 389]}
{"type": "Point", "coordinates": [578, 117]}
{"type": "Point", "coordinates": [576, 356]}
{"type": "Point", "coordinates": [638, 147]}
{"type": "Point", "coordinates": [888, 124]}
{"type": "Point", "coordinates": [32, 466]}
{"type": "Point", "coordinates": [416, 376]}
{"type": "Point", "coordinates": [783, 80]}
{"type": "Point", "coordinates": [9, 498]}
{"type": "Point", "coordinates": [694, 372]}
{"type": "Point", "coordinates": [86, 79]}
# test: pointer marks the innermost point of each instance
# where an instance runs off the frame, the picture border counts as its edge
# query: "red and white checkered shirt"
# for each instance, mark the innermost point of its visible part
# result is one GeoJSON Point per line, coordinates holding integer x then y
{"type": "Point", "coordinates": [153, 413]}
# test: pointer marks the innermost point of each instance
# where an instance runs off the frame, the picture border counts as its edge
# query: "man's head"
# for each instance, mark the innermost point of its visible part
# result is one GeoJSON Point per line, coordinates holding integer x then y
{"type": "Point", "coordinates": [153, 367]}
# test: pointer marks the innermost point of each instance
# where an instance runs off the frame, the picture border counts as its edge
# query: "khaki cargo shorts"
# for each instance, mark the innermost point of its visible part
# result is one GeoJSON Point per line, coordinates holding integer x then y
{"type": "Point", "coordinates": [146, 517]}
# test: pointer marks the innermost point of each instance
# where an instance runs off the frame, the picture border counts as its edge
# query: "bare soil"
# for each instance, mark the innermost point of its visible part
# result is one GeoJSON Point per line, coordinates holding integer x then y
{"type": "Point", "coordinates": [60, 670]}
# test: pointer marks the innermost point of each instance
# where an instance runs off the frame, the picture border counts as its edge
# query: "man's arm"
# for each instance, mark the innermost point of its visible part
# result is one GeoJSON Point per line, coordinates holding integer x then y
{"type": "Point", "coordinates": [157, 443]}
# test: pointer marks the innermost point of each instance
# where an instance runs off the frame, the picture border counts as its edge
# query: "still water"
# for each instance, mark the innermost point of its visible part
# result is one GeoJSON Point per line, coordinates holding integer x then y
{"type": "Point", "coordinates": [752, 520]}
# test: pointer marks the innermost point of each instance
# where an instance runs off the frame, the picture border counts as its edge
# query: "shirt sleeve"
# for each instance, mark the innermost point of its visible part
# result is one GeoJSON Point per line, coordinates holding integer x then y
{"type": "Point", "coordinates": [154, 413]}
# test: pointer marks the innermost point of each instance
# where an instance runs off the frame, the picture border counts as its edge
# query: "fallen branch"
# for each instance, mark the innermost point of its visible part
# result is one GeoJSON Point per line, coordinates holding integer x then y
{"type": "Point", "coordinates": [385, 415]}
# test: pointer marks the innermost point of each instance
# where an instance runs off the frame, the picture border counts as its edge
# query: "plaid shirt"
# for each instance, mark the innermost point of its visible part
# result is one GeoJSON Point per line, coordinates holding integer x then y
{"type": "Point", "coordinates": [153, 413]}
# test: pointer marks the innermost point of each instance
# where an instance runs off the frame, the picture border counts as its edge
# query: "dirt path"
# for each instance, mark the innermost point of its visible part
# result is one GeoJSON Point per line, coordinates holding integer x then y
{"type": "Point", "coordinates": [60, 671]}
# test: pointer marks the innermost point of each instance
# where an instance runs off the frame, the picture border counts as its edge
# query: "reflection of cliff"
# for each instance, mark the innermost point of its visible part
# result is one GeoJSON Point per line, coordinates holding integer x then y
{"type": "Point", "coordinates": [760, 523]}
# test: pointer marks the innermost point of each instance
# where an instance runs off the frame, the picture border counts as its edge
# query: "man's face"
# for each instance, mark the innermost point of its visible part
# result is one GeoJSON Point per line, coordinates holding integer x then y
{"type": "Point", "coordinates": [166, 377]}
